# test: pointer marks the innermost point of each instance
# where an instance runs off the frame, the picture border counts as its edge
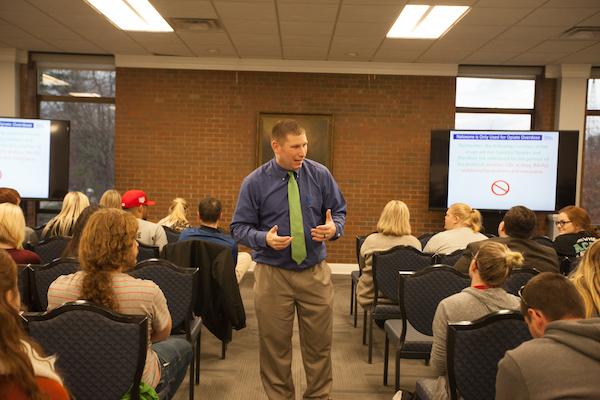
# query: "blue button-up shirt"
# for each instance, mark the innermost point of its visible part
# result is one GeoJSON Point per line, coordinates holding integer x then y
{"type": "Point", "coordinates": [212, 235]}
{"type": "Point", "coordinates": [263, 203]}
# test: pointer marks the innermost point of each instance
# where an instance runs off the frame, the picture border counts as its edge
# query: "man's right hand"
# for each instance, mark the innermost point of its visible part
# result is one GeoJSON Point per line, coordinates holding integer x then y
{"type": "Point", "coordinates": [277, 242]}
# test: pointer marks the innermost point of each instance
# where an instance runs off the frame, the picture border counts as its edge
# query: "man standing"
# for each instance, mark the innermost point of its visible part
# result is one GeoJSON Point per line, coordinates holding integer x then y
{"type": "Point", "coordinates": [209, 214]}
{"type": "Point", "coordinates": [563, 359]}
{"type": "Point", "coordinates": [136, 202]}
{"type": "Point", "coordinates": [287, 209]}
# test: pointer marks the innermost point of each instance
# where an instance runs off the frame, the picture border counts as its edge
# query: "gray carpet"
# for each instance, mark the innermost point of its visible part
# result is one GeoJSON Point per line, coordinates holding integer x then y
{"type": "Point", "coordinates": [237, 376]}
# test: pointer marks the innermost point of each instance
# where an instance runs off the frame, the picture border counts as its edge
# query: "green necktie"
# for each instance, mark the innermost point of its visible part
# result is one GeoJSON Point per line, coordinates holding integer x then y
{"type": "Point", "coordinates": [296, 224]}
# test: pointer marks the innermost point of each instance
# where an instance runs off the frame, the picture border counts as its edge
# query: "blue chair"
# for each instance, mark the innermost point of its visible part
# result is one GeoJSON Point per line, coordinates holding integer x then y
{"type": "Point", "coordinates": [517, 278]}
{"type": "Point", "coordinates": [355, 276]}
{"type": "Point", "coordinates": [50, 249]}
{"type": "Point", "coordinates": [42, 276]}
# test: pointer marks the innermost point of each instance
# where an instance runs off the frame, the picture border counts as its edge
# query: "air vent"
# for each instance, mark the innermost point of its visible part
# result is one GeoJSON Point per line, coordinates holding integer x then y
{"type": "Point", "coordinates": [582, 33]}
{"type": "Point", "coordinates": [196, 24]}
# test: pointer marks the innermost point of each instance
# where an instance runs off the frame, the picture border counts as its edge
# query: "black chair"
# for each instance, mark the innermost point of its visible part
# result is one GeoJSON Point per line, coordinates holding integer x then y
{"type": "Point", "coordinates": [178, 285]}
{"type": "Point", "coordinates": [448, 259]}
{"type": "Point", "coordinates": [424, 238]}
{"type": "Point", "coordinates": [24, 284]}
{"type": "Point", "coordinates": [419, 293]}
{"type": "Point", "coordinates": [544, 240]}
{"type": "Point", "coordinates": [172, 234]}
{"type": "Point", "coordinates": [38, 230]}
{"type": "Point", "coordinates": [568, 264]}
{"type": "Point", "coordinates": [355, 275]}
{"type": "Point", "coordinates": [475, 348]}
{"type": "Point", "coordinates": [51, 249]}
{"type": "Point", "coordinates": [43, 275]}
{"type": "Point", "coordinates": [386, 265]}
{"type": "Point", "coordinates": [101, 353]}
{"type": "Point", "coordinates": [146, 252]}
{"type": "Point", "coordinates": [517, 278]}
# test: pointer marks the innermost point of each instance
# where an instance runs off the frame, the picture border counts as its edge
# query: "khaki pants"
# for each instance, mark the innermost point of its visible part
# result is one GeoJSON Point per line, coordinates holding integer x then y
{"type": "Point", "coordinates": [278, 294]}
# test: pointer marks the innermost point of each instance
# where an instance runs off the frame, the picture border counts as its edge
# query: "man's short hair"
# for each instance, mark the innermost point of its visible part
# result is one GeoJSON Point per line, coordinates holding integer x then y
{"type": "Point", "coordinates": [554, 295]}
{"type": "Point", "coordinates": [284, 127]}
{"type": "Point", "coordinates": [520, 222]}
{"type": "Point", "coordinates": [209, 209]}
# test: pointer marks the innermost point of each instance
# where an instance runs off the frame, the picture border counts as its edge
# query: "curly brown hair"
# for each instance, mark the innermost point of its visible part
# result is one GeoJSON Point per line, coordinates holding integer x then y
{"type": "Point", "coordinates": [13, 353]}
{"type": "Point", "coordinates": [107, 245]}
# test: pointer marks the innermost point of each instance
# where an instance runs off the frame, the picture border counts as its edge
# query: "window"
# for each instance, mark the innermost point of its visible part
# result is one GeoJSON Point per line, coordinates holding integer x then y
{"type": "Point", "coordinates": [493, 103]}
{"type": "Point", "coordinates": [591, 161]}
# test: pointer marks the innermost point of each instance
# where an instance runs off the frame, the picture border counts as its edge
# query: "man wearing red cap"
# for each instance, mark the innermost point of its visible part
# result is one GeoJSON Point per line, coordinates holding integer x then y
{"type": "Point", "coordinates": [136, 202]}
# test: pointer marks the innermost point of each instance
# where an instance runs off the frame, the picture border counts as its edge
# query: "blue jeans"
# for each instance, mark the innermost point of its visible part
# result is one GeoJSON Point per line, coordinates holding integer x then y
{"type": "Point", "coordinates": [175, 355]}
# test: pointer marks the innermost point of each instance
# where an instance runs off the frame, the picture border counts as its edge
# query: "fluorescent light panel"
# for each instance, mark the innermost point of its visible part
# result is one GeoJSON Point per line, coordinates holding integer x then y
{"type": "Point", "coordinates": [425, 22]}
{"type": "Point", "coordinates": [132, 15]}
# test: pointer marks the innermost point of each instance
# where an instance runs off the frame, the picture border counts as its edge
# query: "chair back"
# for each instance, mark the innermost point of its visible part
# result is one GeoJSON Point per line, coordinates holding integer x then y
{"type": "Point", "coordinates": [24, 283]}
{"type": "Point", "coordinates": [38, 230]}
{"type": "Point", "coordinates": [448, 259]}
{"type": "Point", "coordinates": [475, 348]}
{"type": "Point", "coordinates": [101, 353]}
{"type": "Point", "coordinates": [178, 285]}
{"type": "Point", "coordinates": [424, 238]}
{"type": "Point", "coordinates": [360, 239]}
{"type": "Point", "coordinates": [421, 292]}
{"type": "Point", "coordinates": [517, 278]}
{"type": "Point", "coordinates": [386, 265]}
{"type": "Point", "coordinates": [146, 252]}
{"type": "Point", "coordinates": [172, 234]}
{"type": "Point", "coordinates": [568, 264]}
{"type": "Point", "coordinates": [51, 249]}
{"type": "Point", "coordinates": [42, 277]}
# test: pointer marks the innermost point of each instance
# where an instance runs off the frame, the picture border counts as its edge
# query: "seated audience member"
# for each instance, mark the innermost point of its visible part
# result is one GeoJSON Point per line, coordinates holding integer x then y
{"type": "Point", "coordinates": [575, 232]}
{"type": "Point", "coordinates": [12, 232]}
{"type": "Point", "coordinates": [177, 218]}
{"type": "Point", "coordinates": [107, 249]}
{"type": "Point", "coordinates": [393, 229]}
{"type": "Point", "coordinates": [515, 231]}
{"type": "Point", "coordinates": [111, 199]}
{"type": "Point", "coordinates": [586, 279]}
{"type": "Point", "coordinates": [563, 359]}
{"type": "Point", "coordinates": [24, 371]}
{"type": "Point", "coordinates": [462, 225]}
{"type": "Point", "coordinates": [72, 248]}
{"type": "Point", "coordinates": [488, 270]}
{"type": "Point", "coordinates": [9, 195]}
{"type": "Point", "coordinates": [209, 213]}
{"type": "Point", "coordinates": [136, 203]}
{"type": "Point", "coordinates": [62, 224]}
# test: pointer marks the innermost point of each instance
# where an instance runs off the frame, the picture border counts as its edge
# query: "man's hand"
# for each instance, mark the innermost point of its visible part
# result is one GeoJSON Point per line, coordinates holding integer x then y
{"type": "Point", "coordinates": [324, 232]}
{"type": "Point", "coordinates": [277, 242]}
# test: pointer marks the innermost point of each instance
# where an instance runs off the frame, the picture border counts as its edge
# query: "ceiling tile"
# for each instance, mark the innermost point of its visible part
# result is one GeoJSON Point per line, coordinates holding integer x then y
{"type": "Point", "coordinates": [252, 27]}
{"type": "Point", "coordinates": [560, 17]}
{"type": "Point", "coordinates": [341, 53]}
{"type": "Point", "coordinates": [492, 16]}
{"type": "Point", "coordinates": [304, 53]}
{"type": "Point", "coordinates": [536, 58]}
{"type": "Point", "coordinates": [443, 56]}
{"type": "Point", "coordinates": [488, 57]}
{"type": "Point", "coordinates": [184, 8]}
{"type": "Point", "coordinates": [205, 38]}
{"type": "Point", "coordinates": [531, 4]}
{"type": "Point", "coordinates": [396, 56]}
{"type": "Point", "coordinates": [242, 40]}
{"type": "Point", "coordinates": [572, 3]}
{"type": "Point", "coordinates": [307, 12]}
{"type": "Point", "coordinates": [369, 13]}
{"type": "Point", "coordinates": [562, 46]}
{"type": "Point", "coordinates": [306, 28]}
{"type": "Point", "coordinates": [591, 21]}
{"type": "Point", "coordinates": [466, 32]}
{"type": "Point", "coordinates": [260, 51]}
{"type": "Point", "coordinates": [299, 41]}
{"type": "Point", "coordinates": [358, 29]}
{"type": "Point", "coordinates": [591, 55]}
{"type": "Point", "coordinates": [246, 11]}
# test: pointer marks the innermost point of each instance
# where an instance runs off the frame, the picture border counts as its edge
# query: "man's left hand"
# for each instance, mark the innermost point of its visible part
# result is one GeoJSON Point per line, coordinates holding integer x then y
{"type": "Point", "coordinates": [324, 232]}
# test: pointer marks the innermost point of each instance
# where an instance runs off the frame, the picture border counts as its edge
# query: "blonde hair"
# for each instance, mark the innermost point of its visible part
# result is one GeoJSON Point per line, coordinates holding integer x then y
{"type": "Point", "coordinates": [586, 279]}
{"type": "Point", "coordinates": [106, 245]}
{"type": "Point", "coordinates": [394, 219]}
{"type": "Point", "coordinates": [177, 218]}
{"type": "Point", "coordinates": [495, 261]}
{"type": "Point", "coordinates": [62, 224]}
{"type": "Point", "coordinates": [12, 225]}
{"type": "Point", "coordinates": [111, 199]}
{"type": "Point", "coordinates": [468, 216]}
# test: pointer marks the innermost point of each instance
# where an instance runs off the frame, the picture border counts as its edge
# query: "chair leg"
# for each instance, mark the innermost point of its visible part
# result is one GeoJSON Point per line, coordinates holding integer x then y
{"type": "Point", "coordinates": [198, 359]}
{"type": "Point", "coordinates": [223, 349]}
{"type": "Point", "coordinates": [355, 309]}
{"type": "Point", "coordinates": [397, 377]}
{"type": "Point", "coordinates": [364, 326]}
{"type": "Point", "coordinates": [385, 359]}
{"type": "Point", "coordinates": [192, 375]}
{"type": "Point", "coordinates": [371, 337]}
{"type": "Point", "coordinates": [352, 310]}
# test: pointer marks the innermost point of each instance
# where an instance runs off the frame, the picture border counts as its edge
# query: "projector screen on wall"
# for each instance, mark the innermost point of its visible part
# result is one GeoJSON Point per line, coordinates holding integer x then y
{"type": "Point", "coordinates": [34, 157]}
{"type": "Point", "coordinates": [495, 170]}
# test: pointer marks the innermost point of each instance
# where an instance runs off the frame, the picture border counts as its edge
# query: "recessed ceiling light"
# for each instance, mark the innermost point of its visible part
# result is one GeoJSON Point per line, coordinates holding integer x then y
{"type": "Point", "coordinates": [425, 22]}
{"type": "Point", "coordinates": [212, 51]}
{"type": "Point", "coordinates": [352, 54]}
{"type": "Point", "coordinates": [132, 15]}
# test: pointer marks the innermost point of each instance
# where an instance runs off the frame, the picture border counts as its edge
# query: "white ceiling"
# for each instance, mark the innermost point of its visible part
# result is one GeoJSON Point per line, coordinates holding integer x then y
{"type": "Point", "coordinates": [498, 32]}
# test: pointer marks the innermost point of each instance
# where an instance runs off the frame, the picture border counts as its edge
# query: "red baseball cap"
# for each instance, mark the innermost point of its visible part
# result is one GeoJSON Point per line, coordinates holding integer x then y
{"type": "Point", "coordinates": [134, 198]}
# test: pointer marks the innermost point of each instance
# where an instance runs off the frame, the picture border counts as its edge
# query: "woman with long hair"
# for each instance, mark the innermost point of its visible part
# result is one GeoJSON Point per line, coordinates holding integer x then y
{"type": "Point", "coordinates": [111, 199]}
{"type": "Point", "coordinates": [107, 249]}
{"type": "Point", "coordinates": [24, 372]}
{"type": "Point", "coordinates": [393, 229]}
{"type": "Point", "coordinates": [462, 226]}
{"type": "Point", "coordinates": [586, 279]}
{"type": "Point", "coordinates": [177, 218]}
{"type": "Point", "coordinates": [575, 232]}
{"type": "Point", "coordinates": [72, 249]}
{"type": "Point", "coordinates": [12, 232]}
{"type": "Point", "coordinates": [62, 224]}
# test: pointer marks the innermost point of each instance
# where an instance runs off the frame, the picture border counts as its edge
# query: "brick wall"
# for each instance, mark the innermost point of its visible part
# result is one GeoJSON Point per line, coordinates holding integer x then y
{"type": "Point", "coordinates": [193, 133]}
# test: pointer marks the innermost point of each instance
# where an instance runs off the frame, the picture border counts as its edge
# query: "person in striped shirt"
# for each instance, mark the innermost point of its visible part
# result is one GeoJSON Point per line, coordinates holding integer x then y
{"type": "Point", "coordinates": [106, 250]}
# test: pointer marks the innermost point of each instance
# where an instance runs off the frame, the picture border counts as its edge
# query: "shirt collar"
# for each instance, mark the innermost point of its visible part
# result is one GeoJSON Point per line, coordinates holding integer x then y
{"type": "Point", "coordinates": [281, 172]}
{"type": "Point", "coordinates": [210, 228]}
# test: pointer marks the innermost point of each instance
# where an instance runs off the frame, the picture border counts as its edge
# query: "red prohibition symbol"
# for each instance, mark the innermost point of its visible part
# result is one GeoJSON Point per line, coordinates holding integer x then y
{"type": "Point", "coordinates": [500, 188]}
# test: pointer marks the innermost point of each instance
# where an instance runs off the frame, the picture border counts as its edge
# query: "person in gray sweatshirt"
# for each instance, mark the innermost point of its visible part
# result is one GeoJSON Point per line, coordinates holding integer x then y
{"type": "Point", "coordinates": [563, 359]}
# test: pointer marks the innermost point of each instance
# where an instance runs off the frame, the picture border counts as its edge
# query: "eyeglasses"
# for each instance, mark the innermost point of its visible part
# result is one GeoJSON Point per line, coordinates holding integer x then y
{"type": "Point", "coordinates": [562, 223]}
{"type": "Point", "coordinates": [520, 293]}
